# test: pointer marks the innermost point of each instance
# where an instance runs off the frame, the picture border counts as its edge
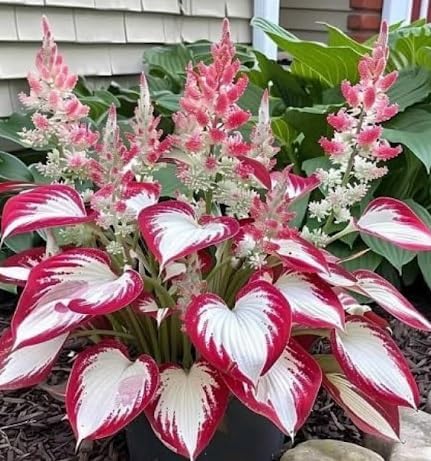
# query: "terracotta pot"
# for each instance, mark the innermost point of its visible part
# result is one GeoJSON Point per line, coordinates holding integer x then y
{"type": "Point", "coordinates": [242, 436]}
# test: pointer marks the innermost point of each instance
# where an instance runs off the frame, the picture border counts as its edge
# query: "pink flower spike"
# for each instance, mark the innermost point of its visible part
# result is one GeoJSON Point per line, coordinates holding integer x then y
{"type": "Point", "coordinates": [106, 390]}
{"type": "Point", "coordinates": [392, 220]}
{"type": "Point", "coordinates": [172, 231]}
{"type": "Point", "coordinates": [332, 147]}
{"type": "Point", "coordinates": [243, 342]}
{"type": "Point", "coordinates": [369, 135]}
{"type": "Point", "coordinates": [384, 151]}
{"type": "Point", "coordinates": [340, 121]}
{"type": "Point", "coordinates": [372, 361]}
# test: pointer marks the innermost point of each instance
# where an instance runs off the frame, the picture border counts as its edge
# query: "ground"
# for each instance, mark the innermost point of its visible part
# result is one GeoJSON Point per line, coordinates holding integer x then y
{"type": "Point", "coordinates": [32, 425]}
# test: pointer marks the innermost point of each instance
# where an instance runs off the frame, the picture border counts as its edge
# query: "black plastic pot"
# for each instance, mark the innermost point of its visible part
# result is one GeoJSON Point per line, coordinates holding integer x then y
{"type": "Point", "coordinates": [243, 436]}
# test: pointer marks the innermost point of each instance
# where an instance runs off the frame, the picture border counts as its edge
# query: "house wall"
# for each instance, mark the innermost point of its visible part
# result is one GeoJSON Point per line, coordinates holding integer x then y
{"type": "Point", "coordinates": [106, 38]}
{"type": "Point", "coordinates": [301, 17]}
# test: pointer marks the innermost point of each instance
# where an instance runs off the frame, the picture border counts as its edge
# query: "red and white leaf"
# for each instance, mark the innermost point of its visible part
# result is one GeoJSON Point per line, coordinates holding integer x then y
{"type": "Point", "coordinates": [8, 187]}
{"type": "Point", "coordinates": [370, 415]}
{"type": "Point", "coordinates": [106, 390]}
{"type": "Point", "coordinates": [172, 231]}
{"type": "Point", "coordinates": [146, 304]}
{"type": "Point", "coordinates": [388, 297]}
{"type": "Point", "coordinates": [285, 394]}
{"type": "Point", "coordinates": [338, 276]}
{"type": "Point", "coordinates": [350, 305]}
{"type": "Point", "coordinates": [29, 365]}
{"type": "Point", "coordinates": [394, 221]}
{"type": "Point", "coordinates": [16, 268]}
{"type": "Point", "coordinates": [188, 407]}
{"type": "Point", "coordinates": [245, 341]}
{"type": "Point", "coordinates": [42, 207]}
{"type": "Point", "coordinates": [259, 170]}
{"type": "Point", "coordinates": [312, 300]}
{"type": "Point", "coordinates": [140, 195]}
{"type": "Point", "coordinates": [297, 186]}
{"type": "Point", "coordinates": [67, 289]}
{"type": "Point", "coordinates": [300, 255]}
{"type": "Point", "coordinates": [372, 361]}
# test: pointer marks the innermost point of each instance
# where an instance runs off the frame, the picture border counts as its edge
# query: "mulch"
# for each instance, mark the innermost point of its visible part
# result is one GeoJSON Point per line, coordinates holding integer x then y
{"type": "Point", "coordinates": [33, 428]}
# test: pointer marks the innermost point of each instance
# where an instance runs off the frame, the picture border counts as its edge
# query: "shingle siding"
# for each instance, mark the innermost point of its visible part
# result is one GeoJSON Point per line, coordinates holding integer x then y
{"type": "Point", "coordinates": [106, 38]}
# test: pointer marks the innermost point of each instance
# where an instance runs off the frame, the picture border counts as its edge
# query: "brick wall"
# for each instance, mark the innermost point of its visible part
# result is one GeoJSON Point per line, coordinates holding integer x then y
{"type": "Point", "coordinates": [364, 19]}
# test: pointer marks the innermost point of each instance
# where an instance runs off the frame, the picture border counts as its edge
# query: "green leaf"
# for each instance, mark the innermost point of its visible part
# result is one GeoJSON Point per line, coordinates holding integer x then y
{"type": "Point", "coordinates": [283, 131]}
{"type": "Point", "coordinates": [311, 165]}
{"type": "Point", "coordinates": [171, 60]}
{"type": "Point", "coordinates": [284, 84]}
{"type": "Point", "coordinates": [369, 260]}
{"type": "Point", "coordinates": [412, 128]}
{"type": "Point", "coordinates": [168, 103]}
{"type": "Point", "coordinates": [336, 37]}
{"type": "Point", "coordinates": [8, 287]}
{"type": "Point", "coordinates": [420, 211]}
{"type": "Point", "coordinates": [312, 122]}
{"type": "Point", "coordinates": [299, 207]}
{"type": "Point", "coordinates": [424, 261]}
{"type": "Point", "coordinates": [11, 167]}
{"type": "Point", "coordinates": [407, 44]}
{"type": "Point", "coordinates": [312, 60]}
{"type": "Point", "coordinates": [412, 86]}
{"type": "Point", "coordinates": [167, 177]}
{"type": "Point", "coordinates": [396, 256]}
{"type": "Point", "coordinates": [21, 242]}
{"type": "Point", "coordinates": [10, 128]}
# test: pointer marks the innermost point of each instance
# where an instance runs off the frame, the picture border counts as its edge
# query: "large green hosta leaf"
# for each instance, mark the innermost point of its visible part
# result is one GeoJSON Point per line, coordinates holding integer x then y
{"type": "Point", "coordinates": [312, 60]}
{"type": "Point", "coordinates": [409, 47]}
{"type": "Point", "coordinates": [412, 86]}
{"type": "Point", "coordinates": [412, 128]}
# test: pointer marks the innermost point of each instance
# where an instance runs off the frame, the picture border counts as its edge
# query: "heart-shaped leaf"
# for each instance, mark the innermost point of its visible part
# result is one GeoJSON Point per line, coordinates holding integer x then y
{"type": "Point", "coordinates": [66, 289]}
{"type": "Point", "coordinates": [106, 391]}
{"type": "Point", "coordinates": [285, 394]}
{"type": "Point", "coordinates": [140, 195]}
{"type": "Point", "coordinates": [312, 300]}
{"type": "Point", "coordinates": [172, 231]}
{"type": "Point", "coordinates": [188, 407]}
{"type": "Point", "coordinates": [392, 220]}
{"type": "Point", "coordinates": [387, 296]}
{"type": "Point", "coordinates": [42, 207]}
{"type": "Point", "coordinates": [29, 365]}
{"type": "Point", "coordinates": [245, 341]}
{"type": "Point", "coordinates": [372, 361]}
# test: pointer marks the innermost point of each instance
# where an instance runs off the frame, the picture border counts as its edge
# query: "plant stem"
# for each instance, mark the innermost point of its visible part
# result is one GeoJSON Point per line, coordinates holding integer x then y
{"type": "Point", "coordinates": [349, 168]}
{"type": "Point", "coordinates": [118, 334]}
{"type": "Point", "coordinates": [137, 330]}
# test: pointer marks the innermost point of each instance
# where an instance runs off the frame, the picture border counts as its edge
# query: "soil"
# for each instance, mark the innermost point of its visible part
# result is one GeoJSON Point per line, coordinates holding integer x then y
{"type": "Point", "coordinates": [33, 428]}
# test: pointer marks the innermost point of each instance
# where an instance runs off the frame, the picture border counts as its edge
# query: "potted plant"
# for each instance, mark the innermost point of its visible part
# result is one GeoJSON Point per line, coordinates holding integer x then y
{"type": "Point", "coordinates": [211, 294]}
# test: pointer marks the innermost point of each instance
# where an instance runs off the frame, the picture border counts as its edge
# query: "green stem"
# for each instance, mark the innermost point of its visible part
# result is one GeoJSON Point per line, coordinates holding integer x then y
{"type": "Point", "coordinates": [187, 352]}
{"type": "Point", "coordinates": [164, 340]}
{"type": "Point", "coordinates": [349, 168]}
{"type": "Point", "coordinates": [119, 334]}
{"type": "Point", "coordinates": [153, 338]}
{"type": "Point", "coordinates": [136, 327]}
{"type": "Point", "coordinates": [347, 230]}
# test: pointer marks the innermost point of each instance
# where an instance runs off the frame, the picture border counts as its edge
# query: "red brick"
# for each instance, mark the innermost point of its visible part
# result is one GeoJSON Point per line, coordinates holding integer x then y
{"type": "Point", "coordinates": [375, 5]}
{"type": "Point", "coordinates": [361, 36]}
{"type": "Point", "coordinates": [364, 21]}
